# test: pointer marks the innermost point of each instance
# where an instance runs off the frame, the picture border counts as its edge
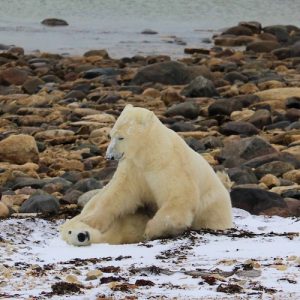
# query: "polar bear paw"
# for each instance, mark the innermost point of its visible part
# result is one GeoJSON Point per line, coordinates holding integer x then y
{"type": "Point", "coordinates": [79, 237]}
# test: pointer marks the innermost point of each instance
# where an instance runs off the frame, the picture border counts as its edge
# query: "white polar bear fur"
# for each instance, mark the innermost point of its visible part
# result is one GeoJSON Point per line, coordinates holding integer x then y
{"type": "Point", "coordinates": [159, 171]}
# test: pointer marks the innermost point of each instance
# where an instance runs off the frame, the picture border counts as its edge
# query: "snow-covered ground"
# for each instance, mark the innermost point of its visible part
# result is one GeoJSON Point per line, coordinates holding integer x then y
{"type": "Point", "coordinates": [259, 259]}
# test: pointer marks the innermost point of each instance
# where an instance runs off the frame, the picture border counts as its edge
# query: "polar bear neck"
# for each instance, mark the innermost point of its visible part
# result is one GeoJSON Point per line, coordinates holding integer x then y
{"type": "Point", "coordinates": [155, 153]}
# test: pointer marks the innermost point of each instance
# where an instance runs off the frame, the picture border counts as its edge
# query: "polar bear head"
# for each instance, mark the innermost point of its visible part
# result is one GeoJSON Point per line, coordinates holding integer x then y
{"type": "Point", "coordinates": [130, 129]}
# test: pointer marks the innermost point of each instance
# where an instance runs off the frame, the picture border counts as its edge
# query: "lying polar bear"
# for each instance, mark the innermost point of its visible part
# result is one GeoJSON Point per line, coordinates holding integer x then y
{"type": "Point", "coordinates": [159, 172]}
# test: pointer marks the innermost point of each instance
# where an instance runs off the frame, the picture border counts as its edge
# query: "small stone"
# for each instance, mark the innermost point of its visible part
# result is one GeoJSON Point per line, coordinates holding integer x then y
{"type": "Point", "coordinates": [170, 95]}
{"type": "Point", "coordinates": [249, 273]}
{"type": "Point", "coordinates": [151, 93]}
{"type": "Point", "coordinates": [261, 118]}
{"type": "Point", "coordinates": [187, 109]}
{"type": "Point", "coordinates": [200, 87]}
{"type": "Point", "coordinates": [277, 168]}
{"type": "Point", "coordinates": [149, 31]}
{"type": "Point", "coordinates": [293, 175]}
{"type": "Point", "coordinates": [72, 196]}
{"type": "Point", "coordinates": [101, 52]}
{"type": "Point", "coordinates": [4, 211]}
{"type": "Point", "coordinates": [71, 278]}
{"type": "Point", "coordinates": [54, 22]}
{"type": "Point", "coordinates": [93, 274]}
{"type": "Point", "coordinates": [270, 180]}
{"type": "Point", "coordinates": [239, 128]}
{"type": "Point", "coordinates": [33, 85]}
{"type": "Point", "coordinates": [19, 149]}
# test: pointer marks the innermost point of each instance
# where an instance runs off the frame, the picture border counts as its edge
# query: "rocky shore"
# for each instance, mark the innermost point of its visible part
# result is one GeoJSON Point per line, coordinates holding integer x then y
{"type": "Point", "coordinates": [237, 104]}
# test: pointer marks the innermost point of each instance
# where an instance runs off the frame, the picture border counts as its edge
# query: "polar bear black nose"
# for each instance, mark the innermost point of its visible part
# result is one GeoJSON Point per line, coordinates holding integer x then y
{"type": "Point", "coordinates": [82, 236]}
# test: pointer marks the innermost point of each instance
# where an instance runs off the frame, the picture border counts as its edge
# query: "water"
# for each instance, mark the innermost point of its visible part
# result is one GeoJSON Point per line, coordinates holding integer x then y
{"type": "Point", "coordinates": [116, 25]}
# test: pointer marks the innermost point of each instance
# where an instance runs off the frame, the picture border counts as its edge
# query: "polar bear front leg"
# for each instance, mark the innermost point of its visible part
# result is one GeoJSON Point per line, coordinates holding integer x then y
{"type": "Point", "coordinates": [120, 197]}
{"type": "Point", "coordinates": [173, 218]}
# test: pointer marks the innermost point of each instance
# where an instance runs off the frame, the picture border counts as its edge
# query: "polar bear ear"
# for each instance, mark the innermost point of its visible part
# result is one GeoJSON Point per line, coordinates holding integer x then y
{"type": "Point", "coordinates": [128, 106]}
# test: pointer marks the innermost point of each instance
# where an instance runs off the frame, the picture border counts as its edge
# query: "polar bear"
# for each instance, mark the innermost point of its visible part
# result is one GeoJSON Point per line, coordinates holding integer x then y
{"type": "Point", "coordinates": [156, 171]}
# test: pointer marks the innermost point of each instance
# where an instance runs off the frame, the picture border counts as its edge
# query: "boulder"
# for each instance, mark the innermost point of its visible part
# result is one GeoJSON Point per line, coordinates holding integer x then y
{"type": "Point", "coordinates": [86, 197]}
{"type": "Point", "coordinates": [276, 168]}
{"type": "Point", "coordinates": [169, 72]}
{"type": "Point", "coordinates": [14, 76]}
{"type": "Point", "coordinates": [40, 203]}
{"type": "Point", "coordinates": [255, 200]}
{"type": "Point", "coordinates": [200, 87]}
{"type": "Point", "coordinates": [280, 31]}
{"type": "Point", "coordinates": [262, 46]}
{"type": "Point", "coordinates": [261, 118]}
{"type": "Point", "coordinates": [33, 85]}
{"type": "Point", "coordinates": [238, 30]}
{"type": "Point", "coordinates": [237, 151]}
{"type": "Point", "coordinates": [19, 149]}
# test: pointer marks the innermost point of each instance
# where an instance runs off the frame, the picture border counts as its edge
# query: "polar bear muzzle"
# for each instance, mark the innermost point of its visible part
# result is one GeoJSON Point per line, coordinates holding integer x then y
{"type": "Point", "coordinates": [79, 238]}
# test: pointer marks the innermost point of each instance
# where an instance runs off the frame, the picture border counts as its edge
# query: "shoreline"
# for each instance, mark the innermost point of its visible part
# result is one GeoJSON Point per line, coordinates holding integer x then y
{"type": "Point", "coordinates": [238, 108]}
{"type": "Point", "coordinates": [216, 99]}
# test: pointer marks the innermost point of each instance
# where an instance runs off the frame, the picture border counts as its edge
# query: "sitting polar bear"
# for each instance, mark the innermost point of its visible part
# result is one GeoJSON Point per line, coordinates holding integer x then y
{"type": "Point", "coordinates": [160, 188]}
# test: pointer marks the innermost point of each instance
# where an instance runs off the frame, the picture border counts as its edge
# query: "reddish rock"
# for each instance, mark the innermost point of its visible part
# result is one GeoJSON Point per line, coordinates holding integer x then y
{"type": "Point", "coordinates": [14, 76]}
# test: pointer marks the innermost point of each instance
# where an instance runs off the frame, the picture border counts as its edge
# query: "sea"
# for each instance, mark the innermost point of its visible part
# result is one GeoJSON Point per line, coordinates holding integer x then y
{"type": "Point", "coordinates": [116, 25]}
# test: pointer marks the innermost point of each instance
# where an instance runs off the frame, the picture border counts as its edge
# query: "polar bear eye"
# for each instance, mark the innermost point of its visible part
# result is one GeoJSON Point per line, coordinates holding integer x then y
{"type": "Point", "coordinates": [120, 138]}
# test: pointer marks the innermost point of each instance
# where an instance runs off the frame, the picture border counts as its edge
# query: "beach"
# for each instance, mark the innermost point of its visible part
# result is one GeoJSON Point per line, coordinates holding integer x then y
{"type": "Point", "coordinates": [234, 100]}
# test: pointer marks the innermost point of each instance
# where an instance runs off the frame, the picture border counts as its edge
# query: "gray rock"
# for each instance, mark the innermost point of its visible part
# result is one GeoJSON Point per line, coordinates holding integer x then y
{"type": "Point", "coordinates": [249, 273]}
{"type": "Point", "coordinates": [263, 159]}
{"type": "Point", "coordinates": [20, 182]}
{"type": "Point", "coordinates": [169, 72]}
{"type": "Point", "coordinates": [235, 76]}
{"type": "Point", "coordinates": [71, 197]}
{"type": "Point", "coordinates": [54, 22]}
{"type": "Point", "coordinates": [293, 102]}
{"type": "Point", "coordinates": [262, 46]}
{"type": "Point", "coordinates": [182, 126]}
{"type": "Point", "coordinates": [93, 73]}
{"type": "Point", "coordinates": [261, 118]}
{"type": "Point", "coordinates": [224, 107]}
{"type": "Point", "coordinates": [255, 200]}
{"type": "Point", "coordinates": [280, 31]}
{"type": "Point", "coordinates": [85, 185]}
{"type": "Point", "coordinates": [276, 168]}
{"type": "Point", "coordinates": [86, 197]}
{"type": "Point", "coordinates": [240, 151]}
{"type": "Point", "coordinates": [186, 109]}
{"type": "Point", "coordinates": [254, 26]}
{"type": "Point", "coordinates": [238, 127]}
{"type": "Point", "coordinates": [149, 31]}
{"type": "Point", "coordinates": [33, 85]}
{"type": "Point", "coordinates": [242, 175]}
{"type": "Point", "coordinates": [238, 30]}
{"type": "Point", "coordinates": [57, 185]}
{"type": "Point", "coordinates": [43, 203]}
{"type": "Point", "coordinates": [200, 87]}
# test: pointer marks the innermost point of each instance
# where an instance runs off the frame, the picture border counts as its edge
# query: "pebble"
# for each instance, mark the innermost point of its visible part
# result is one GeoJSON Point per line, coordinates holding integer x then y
{"type": "Point", "coordinates": [19, 149]}
{"type": "Point", "coordinates": [4, 211]}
